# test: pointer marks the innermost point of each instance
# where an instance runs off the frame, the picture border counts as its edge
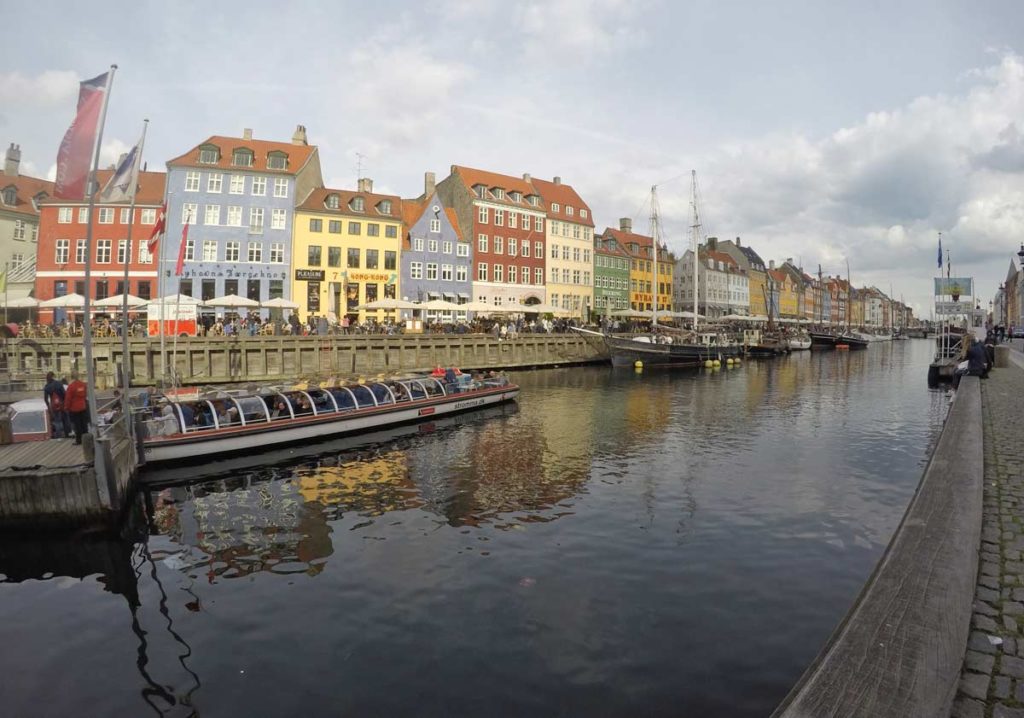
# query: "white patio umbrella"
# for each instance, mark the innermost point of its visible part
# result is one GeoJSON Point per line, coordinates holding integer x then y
{"type": "Point", "coordinates": [737, 318]}
{"type": "Point", "coordinates": [21, 303]}
{"type": "Point", "coordinates": [118, 301]}
{"type": "Point", "coordinates": [390, 303]}
{"type": "Point", "coordinates": [68, 301]}
{"type": "Point", "coordinates": [689, 315]}
{"type": "Point", "coordinates": [176, 299]}
{"type": "Point", "coordinates": [280, 303]}
{"type": "Point", "coordinates": [478, 306]}
{"type": "Point", "coordinates": [232, 301]}
{"type": "Point", "coordinates": [542, 309]}
{"type": "Point", "coordinates": [440, 305]}
{"type": "Point", "coordinates": [757, 318]}
{"type": "Point", "coordinates": [631, 313]}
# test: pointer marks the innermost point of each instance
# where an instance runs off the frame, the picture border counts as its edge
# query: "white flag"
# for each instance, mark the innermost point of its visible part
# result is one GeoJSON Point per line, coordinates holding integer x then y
{"type": "Point", "coordinates": [121, 185]}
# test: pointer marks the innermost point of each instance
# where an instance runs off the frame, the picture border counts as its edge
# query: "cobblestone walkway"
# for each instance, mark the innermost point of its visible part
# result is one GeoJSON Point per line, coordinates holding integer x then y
{"type": "Point", "coordinates": [992, 678]}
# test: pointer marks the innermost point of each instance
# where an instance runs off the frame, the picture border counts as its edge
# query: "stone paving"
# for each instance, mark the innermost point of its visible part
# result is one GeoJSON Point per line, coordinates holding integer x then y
{"type": "Point", "coordinates": [992, 678]}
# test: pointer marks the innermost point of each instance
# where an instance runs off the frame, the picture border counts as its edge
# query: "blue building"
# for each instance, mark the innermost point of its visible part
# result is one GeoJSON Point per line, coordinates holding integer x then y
{"type": "Point", "coordinates": [239, 196]}
{"type": "Point", "coordinates": [435, 261]}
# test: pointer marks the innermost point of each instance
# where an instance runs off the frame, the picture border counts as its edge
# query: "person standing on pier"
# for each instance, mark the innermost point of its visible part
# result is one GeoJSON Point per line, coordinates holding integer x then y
{"type": "Point", "coordinates": [53, 395]}
{"type": "Point", "coordinates": [77, 406]}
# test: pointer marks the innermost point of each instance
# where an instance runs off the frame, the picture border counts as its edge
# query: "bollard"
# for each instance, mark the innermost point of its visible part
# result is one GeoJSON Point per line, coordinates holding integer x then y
{"type": "Point", "coordinates": [1002, 357]}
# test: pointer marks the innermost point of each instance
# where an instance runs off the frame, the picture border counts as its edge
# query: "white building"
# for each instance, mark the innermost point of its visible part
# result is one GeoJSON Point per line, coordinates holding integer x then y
{"type": "Point", "coordinates": [723, 287]}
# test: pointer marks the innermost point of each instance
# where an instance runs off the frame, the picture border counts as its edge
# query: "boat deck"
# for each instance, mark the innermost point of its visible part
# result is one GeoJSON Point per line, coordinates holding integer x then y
{"type": "Point", "coordinates": [40, 457]}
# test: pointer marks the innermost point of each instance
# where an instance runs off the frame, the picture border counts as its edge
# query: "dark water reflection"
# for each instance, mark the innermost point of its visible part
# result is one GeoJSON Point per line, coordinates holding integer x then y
{"type": "Point", "coordinates": [618, 544]}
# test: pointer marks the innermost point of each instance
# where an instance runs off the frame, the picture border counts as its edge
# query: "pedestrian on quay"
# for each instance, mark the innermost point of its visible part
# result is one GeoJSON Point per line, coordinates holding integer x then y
{"type": "Point", "coordinates": [53, 395]}
{"type": "Point", "coordinates": [76, 403]}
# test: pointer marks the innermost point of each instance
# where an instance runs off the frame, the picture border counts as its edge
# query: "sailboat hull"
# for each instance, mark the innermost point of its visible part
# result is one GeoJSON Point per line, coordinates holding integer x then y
{"type": "Point", "coordinates": [627, 352]}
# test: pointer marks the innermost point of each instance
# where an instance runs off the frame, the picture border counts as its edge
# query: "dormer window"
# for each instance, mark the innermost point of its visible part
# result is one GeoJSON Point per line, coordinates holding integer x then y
{"type": "Point", "coordinates": [533, 200]}
{"type": "Point", "coordinates": [517, 197]}
{"type": "Point", "coordinates": [277, 161]}
{"type": "Point", "coordinates": [242, 158]}
{"type": "Point", "coordinates": [358, 204]}
{"type": "Point", "coordinates": [384, 207]}
{"type": "Point", "coordinates": [555, 206]}
{"type": "Point", "coordinates": [10, 196]}
{"type": "Point", "coordinates": [568, 210]}
{"type": "Point", "coordinates": [498, 193]}
{"type": "Point", "coordinates": [332, 201]}
{"type": "Point", "coordinates": [209, 155]}
{"type": "Point", "coordinates": [583, 213]}
{"type": "Point", "coordinates": [480, 190]}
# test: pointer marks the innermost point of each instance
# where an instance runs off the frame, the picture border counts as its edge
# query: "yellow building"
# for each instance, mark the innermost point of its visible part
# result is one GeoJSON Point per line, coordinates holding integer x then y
{"type": "Point", "coordinates": [345, 253]}
{"type": "Point", "coordinates": [758, 282]}
{"type": "Point", "coordinates": [785, 292]}
{"type": "Point", "coordinates": [641, 268]}
{"type": "Point", "coordinates": [570, 245]}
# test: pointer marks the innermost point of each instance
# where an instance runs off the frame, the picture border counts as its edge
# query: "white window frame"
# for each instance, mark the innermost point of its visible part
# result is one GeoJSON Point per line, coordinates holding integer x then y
{"type": "Point", "coordinates": [417, 244]}
{"type": "Point", "coordinates": [278, 219]}
{"type": "Point", "coordinates": [431, 271]}
{"type": "Point", "coordinates": [209, 250]}
{"type": "Point", "coordinates": [446, 272]}
{"type": "Point", "coordinates": [124, 251]}
{"type": "Point", "coordinates": [62, 251]}
{"type": "Point", "coordinates": [211, 215]}
{"type": "Point", "coordinates": [435, 225]}
{"type": "Point", "coordinates": [83, 215]}
{"type": "Point", "coordinates": [432, 246]}
{"type": "Point", "coordinates": [190, 250]}
{"type": "Point", "coordinates": [538, 224]}
{"type": "Point", "coordinates": [126, 215]}
{"type": "Point", "coordinates": [482, 215]}
{"type": "Point", "coordinates": [259, 186]}
{"type": "Point", "coordinates": [499, 272]}
{"type": "Point", "coordinates": [214, 182]}
{"type": "Point", "coordinates": [254, 252]}
{"type": "Point", "coordinates": [189, 213]}
{"type": "Point", "coordinates": [416, 270]}
{"type": "Point", "coordinates": [280, 186]}
{"type": "Point", "coordinates": [234, 218]}
{"type": "Point", "coordinates": [499, 245]}
{"type": "Point", "coordinates": [512, 247]}
{"type": "Point", "coordinates": [104, 247]}
{"type": "Point", "coordinates": [64, 215]}
{"type": "Point", "coordinates": [106, 215]}
{"type": "Point", "coordinates": [462, 249]}
{"type": "Point", "coordinates": [148, 216]}
{"type": "Point", "coordinates": [481, 243]}
{"type": "Point", "coordinates": [513, 274]}
{"type": "Point", "coordinates": [538, 275]}
{"type": "Point", "coordinates": [145, 256]}
{"type": "Point", "coordinates": [237, 184]}
{"type": "Point", "coordinates": [538, 250]}
{"type": "Point", "coordinates": [255, 220]}
{"type": "Point", "coordinates": [461, 273]}
{"type": "Point", "coordinates": [277, 253]}
{"type": "Point", "coordinates": [192, 181]}
{"type": "Point", "coordinates": [80, 254]}
{"type": "Point", "coordinates": [481, 271]}
{"type": "Point", "coordinates": [232, 250]}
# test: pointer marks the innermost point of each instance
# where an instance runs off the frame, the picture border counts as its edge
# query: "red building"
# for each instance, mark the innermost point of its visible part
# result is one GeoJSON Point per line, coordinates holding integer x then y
{"type": "Point", "coordinates": [504, 218]}
{"type": "Point", "coordinates": [61, 254]}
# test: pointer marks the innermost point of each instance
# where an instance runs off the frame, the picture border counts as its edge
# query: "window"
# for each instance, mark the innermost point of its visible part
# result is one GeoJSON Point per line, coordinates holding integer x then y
{"type": "Point", "coordinates": [83, 215]}
{"type": "Point", "coordinates": [372, 258]}
{"type": "Point", "coordinates": [390, 259]}
{"type": "Point", "coordinates": [391, 231]}
{"type": "Point", "coordinates": [277, 253]}
{"type": "Point", "coordinates": [512, 278]}
{"type": "Point", "coordinates": [432, 246]}
{"type": "Point", "coordinates": [63, 251]}
{"type": "Point", "coordinates": [64, 215]}
{"type": "Point", "coordinates": [334, 226]}
{"type": "Point", "coordinates": [435, 225]}
{"type": "Point", "coordinates": [210, 250]}
{"type": "Point", "coordinates": [538, 250]}
{"type": "Point", "coordinates": [498, 193]}
{"type": "Point", "coordinates": [334, 256]}
{"type": "Point", "coordinates": [583, 213]}
{"type": "Point", "coordinates": [385, 206]}
{"type": "Point", "coordinates": [259, 186]}
{"type": "Point", "coordinates": [499, 245]}
{"type": "Point", "coordinates": [280, 186]}
{"type": "Point", "coordinates": [417, 244]}
{"type": "Point", "coordinates": [277, 161]}
{"type": "Point", "coordinates": [554, 251]}
{"type": "Point", "coordinates": [358, 204]}
{"type": "Point", "coordinates": [355, 228]}
{"type": "Point", "coordinates": [102, 289]}
{"type": "Point", "coordinates": [372, 230]}
{"type": "Point", "coordinates": [148, 216]}
{"type": "Point", "coordinates": [234, 216]}
{"type": "Point", "coordinates": [513, 246]}
{"type": "Point", "coordinates": [499, 217]}
{"type": "Point", "coordinates": [143, 290]}
{"type": "Point", "coordinates": [278, 219]}
{"type": "Point", "coordinates": [431, 270]}
{"type": "Point", "coordinates": [499, 273]}
{"type": "Point", "coordinates": [254, 252]}
{"type": "Point", "coordinates": [565, 252]}
{"type": "Point", "coordinates": [212, 215]}
{"type": "Point", "coordinates": [525, 275]}
{"type": "Point", "coordinates": [446, 272]}
{"type": "Point", "coordinates": [462, 273]}
{"type": "Point", "coordinates": [576, 231]}
{"type": "Point", "coordinates": [19, 229]}
{"type": "Point", "coordinates": [416, 270]}
{"type": "Point", "coordinates": [189, 212]}
{"type": "Point", "coordinates": [513, 220]}
{"type": "Point", "coordinates": [242, 158]}
{"type": "Point", "coordinates": [103, 248]}
{"type": "Point", "coordinates": [353, 258]}
{"type": "Point", "coordinates": [586, 256]}
{"type": "Point", "coordinates": [538, 224]}
{"type": "Point", "coordinates": [209, 155]}
{"type": "Point", "coordinates": [231, 251]}
{"type": "Point", "coordinates": [481, 272]}
{"type": "Point", "coordinates": [255, 220]}
{"type": "Point", "coordinates": [332, 201]}
{"type": "Point", "coordinates": [106, 216]}
{"type": "Point", "coordinates": [190, 250]}
{"type": "Point", "coordinates": [554, 275]}
{"type": "Point", "coordinates": [538, 275]}
{"type": "Point", "coordinates": [237, 184]}
{"type": "Point", "coordinates": [80, 251]}
{"type": "Point", "coordinates": [214, 182]}
{"type": "Point", "coordinates": [481, 243]}
{"type": "Point", "coordinates": [126, 215]}
{"type": "Point", "coordinates": [191, 181]}
{"type": "Point", "coordinates": [124, 252]}
{"type": "Point", "coordinates": [462, 249]}
{"type": "Point", "coordinates": [446, 247]}
{"type": "Point", "coordinates": [568, 210]}
{"type": "Point", "coordinates": [481, 215]}
{"type": "Point", "coordinates": [313, 258]}
{"type": "Point", "coordinates": [575, 276]}
{"type": "Point", "coordinates": [554, 227]}
{"type": "Point", "coordinates": [316, 225]}
{"type": "Point", "coordinates": [145, 257]}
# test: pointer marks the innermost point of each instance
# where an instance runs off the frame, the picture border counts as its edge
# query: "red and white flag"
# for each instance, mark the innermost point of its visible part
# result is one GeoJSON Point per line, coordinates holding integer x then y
{"type": "Point", "coordinates": [158, 230]}
{"type": "Point", "coordinates": [75, 154]}
{"type": "Point", "coordinates": [181, 250]}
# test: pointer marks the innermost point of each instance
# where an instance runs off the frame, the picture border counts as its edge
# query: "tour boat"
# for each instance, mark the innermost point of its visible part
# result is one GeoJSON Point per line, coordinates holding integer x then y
{"type": "Point", "coordinates": [228, 422]}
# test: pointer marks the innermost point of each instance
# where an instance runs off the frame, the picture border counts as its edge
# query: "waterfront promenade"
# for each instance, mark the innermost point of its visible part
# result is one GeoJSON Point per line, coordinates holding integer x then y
{"type": "Point", "coordinates": [992, 678]}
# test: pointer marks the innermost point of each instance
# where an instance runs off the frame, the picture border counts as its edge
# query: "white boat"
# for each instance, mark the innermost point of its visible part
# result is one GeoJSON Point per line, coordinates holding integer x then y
{"type": "Point", "coordinates": [226, 422]}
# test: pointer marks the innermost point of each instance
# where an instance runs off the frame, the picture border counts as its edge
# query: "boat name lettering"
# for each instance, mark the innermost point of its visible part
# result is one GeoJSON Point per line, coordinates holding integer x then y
{"type": "Point", "coordinates": [467, 404]}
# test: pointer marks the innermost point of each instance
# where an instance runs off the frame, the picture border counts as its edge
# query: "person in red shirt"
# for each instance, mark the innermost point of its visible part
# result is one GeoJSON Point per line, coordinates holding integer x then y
{"type": "Point", "coordinates": [77, 406]}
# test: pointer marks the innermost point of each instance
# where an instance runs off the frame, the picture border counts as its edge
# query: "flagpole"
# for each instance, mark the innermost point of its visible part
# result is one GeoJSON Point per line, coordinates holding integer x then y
{"type": "Point", "coordinates": [125, 358]}
{"type": "Point", "coordinates": [177, 305]}
{"type": "Point", "coordinates": [90, 371]}
{"type": "Point", "coordinates": [6, 282]}
{"type": "Point", "coordinates": [160, 292]}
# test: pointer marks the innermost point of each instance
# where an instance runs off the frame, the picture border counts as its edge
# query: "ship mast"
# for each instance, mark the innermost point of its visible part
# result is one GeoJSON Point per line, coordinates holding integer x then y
{"type": "Point", "coordinates": [654, 247]}
{"type": "Point", "coordinates": [695, 228]}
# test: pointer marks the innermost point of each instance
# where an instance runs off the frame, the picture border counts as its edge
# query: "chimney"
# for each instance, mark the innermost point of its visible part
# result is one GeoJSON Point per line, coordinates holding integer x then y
{"type": "Point", "coordinates": [626, 224]}
{"type": "Point", "coordinates": [247, 133]}
{"type": "Point", "coordinates": [713, 243]}
{"type": "Point", "coordinates": [527, 178]}
{"type": "Point", "coordinates": [558, 180]}
{"type": "Point", "coordinates": [12, 159]}
{"type": "Point", "coordinates": [789, 260]}
{"type": "Point", "coordinates": [299, 138]}
{"type": "Point", "coordinates": [429, 184]}
{"type": "Point", "coordinates": [738, 242]}
{"type": "Point", "coordinates": [365, 184]}
{"type": "Point", "coordinates": [771, 264]}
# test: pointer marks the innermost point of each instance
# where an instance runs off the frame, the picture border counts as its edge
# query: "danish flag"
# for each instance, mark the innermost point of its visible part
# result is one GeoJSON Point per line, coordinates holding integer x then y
{"type": "Point", "coordinates": [158, 230]}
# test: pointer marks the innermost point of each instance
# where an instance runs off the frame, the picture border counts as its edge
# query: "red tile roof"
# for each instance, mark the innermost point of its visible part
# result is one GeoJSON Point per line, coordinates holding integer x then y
{"type": "Point", "coordinates": [564, 196]}
{"type": "Point", "coordinates": [412, 210]}
{"type": "Point", "coordinates": [722, 257]}
{"type": "Point", "coordinates": [472, 177]}
{"type": "Point", "coordinates": [150, 190]}
{"type": "Point", "coordinates": [27, 188]}
{"type": "Point", "coordinates": [778, 275]}
{"type": "Point", "coordinates": [623, 239]}
{"type": "Point", "coordinates": [316, 202]}
{"type": "Point", "coordinates": [298, 155]}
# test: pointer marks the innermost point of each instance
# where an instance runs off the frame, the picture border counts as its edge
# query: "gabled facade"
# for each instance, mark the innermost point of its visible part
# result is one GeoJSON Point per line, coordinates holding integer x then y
{"type": "Point", "coordinates": [649, 270]}
{"type": "Point", "coordinates": [611, 276]}
{"type": "Point", "coordinates": [435, 259]}
{"type": "Point", "coordinates": [238, 195]}
{"type": "Point", "coordinates": [20, 199]}
{"type": "Point", "coordinates": [505, 218]}
{"type": "Point", "coordinates": [782, 294]}
{"type": "Point", "coordinates": [62, 255]}
{"type": "Point", "coordinates": [345, 252]}
{"type": "Point", "coordinates": [757, 277]}
{"type": "Point", "coordinates": [722, 286]}
{"type": "Point", "coordinates": [570, 262]}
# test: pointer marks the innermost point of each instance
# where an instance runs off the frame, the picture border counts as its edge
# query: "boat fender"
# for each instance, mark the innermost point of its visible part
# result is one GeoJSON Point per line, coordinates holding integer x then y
{"type": "Point", "coordinates": [708, 364]}
{"type": "Point", "coordinates": [717, 363]}
{"type": "Point", "coordinates": [736, 361]}
{"type": "Point", "coordinates": [638, 364]}
{"type": "Point", "coordinates": [728, 362]}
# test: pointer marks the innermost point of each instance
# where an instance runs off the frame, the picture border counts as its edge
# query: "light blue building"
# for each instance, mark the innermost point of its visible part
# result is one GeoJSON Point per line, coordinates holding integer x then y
{"type": "Point", "coordinates": [238, 196]}
{"type": "Point", "coordinates": [435, 259]}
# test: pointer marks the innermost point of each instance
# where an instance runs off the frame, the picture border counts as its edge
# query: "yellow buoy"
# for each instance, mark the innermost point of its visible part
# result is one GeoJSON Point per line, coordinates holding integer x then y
{"type": "Point", "coordinates": [708, 364]}
{"type": "Point", "coordinates": [717, 363]}
{"type": "Point", "coordinates": [729, 361]}
{"type": "Point", "coordinates": [638, 364]}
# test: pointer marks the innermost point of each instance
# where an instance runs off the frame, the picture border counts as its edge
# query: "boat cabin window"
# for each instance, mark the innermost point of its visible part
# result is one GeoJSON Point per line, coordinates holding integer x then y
{"type": "Point", "coordinates": [253, 409]}
{"type": "Point", "coordinates": [433, 387]}
{"type": "Point", "coordinates": [205, 415]}
{"type": "Point", "coordinates": [382, 393]}
{"type": "Point", "coordinates": [363, 395]}
{"type": "Point", "coordinates": [29, 422]}
{"type": "Point", "coordinates": [322, 401]}
{"type": "Point", "coordinates": [416, 389]}
{"type": "Point", "coordinates": [280, 407]}
{"type": "Point", "coordinates": [344, 398]}
{"type": "Point", "coordinates": [399, 390]}
{"type": "Point", "coordinates": [301, 404]}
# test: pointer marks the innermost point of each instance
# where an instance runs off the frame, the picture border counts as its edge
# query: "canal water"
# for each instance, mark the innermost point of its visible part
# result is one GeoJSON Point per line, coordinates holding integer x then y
{"type": "Point", "coordinates": [618, 544]}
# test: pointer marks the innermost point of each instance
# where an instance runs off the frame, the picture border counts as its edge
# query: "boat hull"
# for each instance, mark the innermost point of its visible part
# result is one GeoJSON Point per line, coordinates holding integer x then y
{"type": "Point", "coordinates": [256, 437]}
{"type": "Point", "coordinates": [626, 352]}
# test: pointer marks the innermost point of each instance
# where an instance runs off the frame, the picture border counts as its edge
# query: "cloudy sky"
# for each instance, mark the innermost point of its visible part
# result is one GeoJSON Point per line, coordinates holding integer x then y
{"type": "Point", "coordinates": [825, 132]}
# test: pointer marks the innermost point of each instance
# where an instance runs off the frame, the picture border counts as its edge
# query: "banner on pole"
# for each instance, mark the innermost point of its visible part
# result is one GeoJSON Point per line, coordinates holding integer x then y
{"type": "Point", "coordinates": [75, 154]}
{"type": "Point", "coordinates": [964, 286]}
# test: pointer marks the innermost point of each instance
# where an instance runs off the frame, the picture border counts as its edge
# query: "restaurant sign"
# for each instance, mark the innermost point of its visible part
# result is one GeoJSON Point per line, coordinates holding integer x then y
{"type": "Point", "coordinates": [309, 275]}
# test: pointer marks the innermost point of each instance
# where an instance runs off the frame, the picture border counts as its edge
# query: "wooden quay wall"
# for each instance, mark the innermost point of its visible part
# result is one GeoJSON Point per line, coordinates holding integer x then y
{"type": "Point", "coordinates": [214, 360]}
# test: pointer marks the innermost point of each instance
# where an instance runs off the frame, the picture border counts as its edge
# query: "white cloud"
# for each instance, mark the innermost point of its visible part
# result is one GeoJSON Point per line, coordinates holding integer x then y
{"type": "Point", "coordinates": [47, 89]}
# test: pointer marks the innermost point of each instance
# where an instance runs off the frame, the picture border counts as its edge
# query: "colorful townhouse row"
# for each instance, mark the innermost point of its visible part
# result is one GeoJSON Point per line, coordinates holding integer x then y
{"type": "Point", "coordinates": [262, 225]}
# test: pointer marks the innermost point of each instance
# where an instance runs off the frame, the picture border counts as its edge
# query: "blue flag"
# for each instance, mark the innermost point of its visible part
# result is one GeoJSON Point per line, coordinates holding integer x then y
{"type": "Point", "coordinates": [940, 252]}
